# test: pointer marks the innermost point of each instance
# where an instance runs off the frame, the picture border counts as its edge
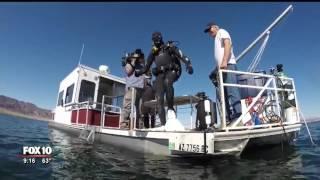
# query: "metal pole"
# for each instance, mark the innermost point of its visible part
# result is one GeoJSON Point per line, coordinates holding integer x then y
{"type": "Point", "coordinates": [277, 96]}
{"type": "Point", "coordinates": [132, 122]}
{"type": "Point", "coordinates": [275, 22]}
{"type": "Point", "coordinates": [78, 114]}
{"type": "Point", "coordinates": [102, 113]}
{"type": "Point", "coordinates": [256, 87]}
{"type": "Point", "coordinates": [296, 101]}
{"type": "Point", "coordinates": [87, 113]}
{"type": "Point", "coordinates": [120, 116]}
{"type": "Point", "coordinates": [218, 124]}
{"type": "Point", "coordinates": [222, 100]}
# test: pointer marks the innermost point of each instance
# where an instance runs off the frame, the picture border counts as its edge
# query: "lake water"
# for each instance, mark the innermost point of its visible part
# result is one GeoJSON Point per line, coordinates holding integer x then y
{"type": "Point", "coordinates": [74, 159]}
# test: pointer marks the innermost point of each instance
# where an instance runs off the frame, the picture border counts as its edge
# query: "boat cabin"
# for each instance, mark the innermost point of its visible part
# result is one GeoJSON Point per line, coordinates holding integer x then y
{"type": "Point", "coordinates": [82, 93]}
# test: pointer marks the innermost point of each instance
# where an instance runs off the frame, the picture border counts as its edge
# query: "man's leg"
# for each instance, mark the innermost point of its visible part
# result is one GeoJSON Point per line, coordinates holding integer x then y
{"type": "Point", "coordinates": [169, 89]}
{"type": "Point", "coordinates": [139, 92]}
{"type": "Point", "coordinates": [233, 93]}
{"type": "Point", "coordinates": [152, 113]}
{"type": "Point", "coordinates": [153, 120]}
{"type": "Point", "coordinates": [126, 109]}
{"type": "Point", "coordinates": [146, 120]}
{"type": "Point", "coordinates": [159, 87]}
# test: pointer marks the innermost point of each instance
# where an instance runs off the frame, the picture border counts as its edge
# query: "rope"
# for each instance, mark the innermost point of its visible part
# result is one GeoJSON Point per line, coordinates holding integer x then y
{"type": "Point", "coordinates": [300, 112]}
{"type": "Point", "coordinates": [257, 58]}
{"type": "Point", "coordinates": [305, 122]}
{"type": "Point", "coordinates": [252, 67]}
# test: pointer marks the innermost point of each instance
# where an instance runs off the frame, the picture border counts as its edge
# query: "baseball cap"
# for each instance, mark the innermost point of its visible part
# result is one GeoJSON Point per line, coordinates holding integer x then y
{"type": "Point", "coordinates": [209, 25]}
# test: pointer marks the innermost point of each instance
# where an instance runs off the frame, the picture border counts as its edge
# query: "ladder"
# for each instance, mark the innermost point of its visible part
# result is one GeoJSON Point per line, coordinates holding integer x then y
{"type": "Point", "coordinates": [88, 132]}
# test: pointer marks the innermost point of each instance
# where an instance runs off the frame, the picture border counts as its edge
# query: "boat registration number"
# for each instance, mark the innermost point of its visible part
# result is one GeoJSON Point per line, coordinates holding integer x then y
{"type": "Point", "coordinates": [191, 142]}
{"type": "Point", "coordinates": [192, 148]}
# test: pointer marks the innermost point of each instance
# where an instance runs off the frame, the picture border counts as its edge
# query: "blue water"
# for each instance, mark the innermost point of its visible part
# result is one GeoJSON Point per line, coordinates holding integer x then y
{"type": "Point", "coordinates": [74, 159]}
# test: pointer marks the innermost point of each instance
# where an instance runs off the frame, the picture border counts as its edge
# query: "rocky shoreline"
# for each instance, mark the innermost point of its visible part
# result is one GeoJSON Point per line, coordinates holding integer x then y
{"type": "Point", "coordinates": [11, 113]}
{"type": "Point", "coordinates": [23, 109]}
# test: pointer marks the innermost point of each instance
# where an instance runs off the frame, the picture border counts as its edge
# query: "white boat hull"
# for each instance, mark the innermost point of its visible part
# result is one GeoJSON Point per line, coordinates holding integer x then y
{"type": "Point", "coordinates": [158, 142]}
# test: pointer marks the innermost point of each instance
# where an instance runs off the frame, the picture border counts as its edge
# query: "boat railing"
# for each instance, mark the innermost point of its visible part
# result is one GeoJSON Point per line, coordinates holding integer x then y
{"type": "Point", "coordinates": [78, 106]}
{"type": "Point", "coordinates": [113, 109]}
{"type": "Point", "coordinates": [268, 91]}
{"type": "Point", "coordinates": [89, 105]}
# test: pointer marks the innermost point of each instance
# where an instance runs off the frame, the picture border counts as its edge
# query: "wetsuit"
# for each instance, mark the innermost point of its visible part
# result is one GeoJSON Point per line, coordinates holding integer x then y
{"type": "Point", "coordinates": [168, 69]}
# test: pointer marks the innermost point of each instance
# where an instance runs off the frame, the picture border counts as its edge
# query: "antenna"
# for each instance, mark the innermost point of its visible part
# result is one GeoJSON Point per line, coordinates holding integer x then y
{"type": "Point", "coordinates": [79, 62]}
{"type": "Point", "coordinates": [79, 71]}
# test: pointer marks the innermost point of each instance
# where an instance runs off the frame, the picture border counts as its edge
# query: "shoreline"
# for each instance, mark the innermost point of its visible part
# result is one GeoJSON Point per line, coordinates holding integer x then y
{"type": "Point", "coordinates": [16, 114]}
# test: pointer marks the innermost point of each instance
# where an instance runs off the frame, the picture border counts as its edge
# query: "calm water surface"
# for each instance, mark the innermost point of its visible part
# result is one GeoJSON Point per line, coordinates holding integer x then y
{"type": "Point", "coordinates": [74, 159]}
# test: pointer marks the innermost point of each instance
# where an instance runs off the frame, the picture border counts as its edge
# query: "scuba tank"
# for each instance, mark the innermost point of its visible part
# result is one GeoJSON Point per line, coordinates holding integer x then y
{"type": "Point", "coordinates": [206, 112]}
{"type": "Point", "coordinates": [176, 62]}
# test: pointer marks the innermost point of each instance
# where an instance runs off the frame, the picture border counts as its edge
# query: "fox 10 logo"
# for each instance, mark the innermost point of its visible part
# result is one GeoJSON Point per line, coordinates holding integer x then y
{"type": "Point", "coordinates": [34, 154]}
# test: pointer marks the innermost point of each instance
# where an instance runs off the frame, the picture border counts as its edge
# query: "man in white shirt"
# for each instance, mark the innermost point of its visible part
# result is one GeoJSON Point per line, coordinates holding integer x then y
{"type": "Point", "coordinates": [225, 59]}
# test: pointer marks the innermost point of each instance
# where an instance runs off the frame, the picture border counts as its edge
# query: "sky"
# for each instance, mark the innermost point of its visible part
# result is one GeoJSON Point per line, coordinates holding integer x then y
{"type": "Point", "coordinates": [41, 42]}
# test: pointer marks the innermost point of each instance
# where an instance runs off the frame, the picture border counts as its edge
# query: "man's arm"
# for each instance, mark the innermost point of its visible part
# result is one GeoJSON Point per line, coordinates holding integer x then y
{"type": "Point", "coordinates": [226, 54]}
{"type": "Point", "coordinates": [178, 53]}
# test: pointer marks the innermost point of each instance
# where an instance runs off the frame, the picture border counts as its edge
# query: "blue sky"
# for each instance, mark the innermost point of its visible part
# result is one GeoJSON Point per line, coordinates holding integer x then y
{"type": "Point", "coordinates": [41, 42]}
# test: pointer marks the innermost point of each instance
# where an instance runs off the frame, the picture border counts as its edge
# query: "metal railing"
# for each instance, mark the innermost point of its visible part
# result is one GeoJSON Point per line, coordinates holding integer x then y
{"type": "Point", "coordinates": [105, 106]}
{"type": "Point", "coordinates": [91, 105]}
{"type": "Point", "coordinates": [271, 80]}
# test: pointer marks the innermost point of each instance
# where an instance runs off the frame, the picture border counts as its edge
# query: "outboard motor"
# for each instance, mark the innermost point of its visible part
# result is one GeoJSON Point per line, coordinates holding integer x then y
{"type": "Point", "coordinates": [206, 112]}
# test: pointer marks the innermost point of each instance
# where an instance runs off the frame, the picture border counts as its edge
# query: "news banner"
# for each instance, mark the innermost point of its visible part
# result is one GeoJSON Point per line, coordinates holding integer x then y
{"type": "Point", "coordinates": [36, 154]}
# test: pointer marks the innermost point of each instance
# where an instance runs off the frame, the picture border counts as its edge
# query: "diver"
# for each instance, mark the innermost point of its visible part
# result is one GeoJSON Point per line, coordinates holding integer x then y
{"type": "Point", "coordinates": [167, 59]}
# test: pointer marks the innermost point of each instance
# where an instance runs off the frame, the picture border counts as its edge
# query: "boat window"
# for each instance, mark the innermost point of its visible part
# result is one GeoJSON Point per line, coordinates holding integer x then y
{"type": "Point", "coordinates": [105, 88]}
{"type": "Point", "coordinates": [86, 90]}
{"type": "Point", "coordinates": [69, 93]}
{"type": "Point", "coordinates": [60, 100]}
{"type": "Point", "coordinates": [113, 92]}
{"type": "Point", "coordinates": [119, 91]}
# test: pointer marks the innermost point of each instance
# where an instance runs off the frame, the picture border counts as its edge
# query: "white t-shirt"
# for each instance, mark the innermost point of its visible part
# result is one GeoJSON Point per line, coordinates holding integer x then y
{"type": "Point", "coordinates": [219, 47]}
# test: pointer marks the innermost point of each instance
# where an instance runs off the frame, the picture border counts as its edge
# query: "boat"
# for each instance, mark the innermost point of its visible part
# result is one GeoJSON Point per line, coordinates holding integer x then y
{"type": "Point", "coordinates": [89, 105]}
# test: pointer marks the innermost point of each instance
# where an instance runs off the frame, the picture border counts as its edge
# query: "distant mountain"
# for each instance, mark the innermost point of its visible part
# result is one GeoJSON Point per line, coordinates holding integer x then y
{"type": "Point", "coordinates": [19, 108]}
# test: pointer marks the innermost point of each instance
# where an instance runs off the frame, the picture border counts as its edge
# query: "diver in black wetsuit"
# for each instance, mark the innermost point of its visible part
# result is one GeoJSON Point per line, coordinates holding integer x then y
{"type": "Point", "coordinates": [167, 59]}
